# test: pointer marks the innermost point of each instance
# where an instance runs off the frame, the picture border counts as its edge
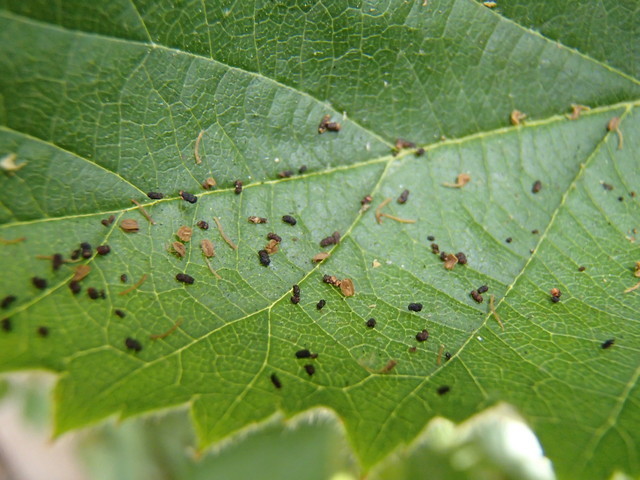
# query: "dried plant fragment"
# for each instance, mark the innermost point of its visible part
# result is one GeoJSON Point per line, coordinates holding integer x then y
{"type": "Point", "coordinates": [388, 367]}
{"type": "Point", "coordinates": [440, 352]}
{"type": "Point", "coordinates": [8, 163]}
{"type": "Point", "coordinates": [614, 126]}
{"type": "Point", "coordinates": [318, 257]}
{"type": "Point", "coordinates": [517, 117]}
{"type": "Point", "coordinates": [173, 328]}
{"type": "Point", "coordinates": [143, 211]}
{"type": "Point", "coordinates": [461, 181]}
{"type": "Point", "coordinates": [272, 247]}
{"type": "Point", "coordinates": [207, 248]}
{"type": "Point", "coordinates": [134, 286]}
{"type": "Point", "coordinates": [402, 144]}
{"type": "Point", "coordinates": [450, 261]}
{"type": "Point", "coordinates": [254, 219]}
{"type": "Point", "coordinates": [631, 289]}
{"type": "Point", "coordinates": [379, 208]}
{"type": "Point", "coordinates": [81, 271]}
{"type": "Point", "coordinates": [490, 4]}
{"type": "Point", "coordinates": [576, 110]}
{"type": "Point", "coordinates": [197, 147]}
{"type": "Point", "coordinates": [327, 125]}
{"type": "Point", "coordinates": [224, 235]}
{"type": "Point", "coordinates": [492, 309]}
{"type": "Point", "coordinates": [376, 263]}
{"type": "Point", "coordinates": [209, 183]}
{"type": "Point", "coordinates": [5, 241]}
{"type": "Point", "coordinates": [184, 233]}
{"type": "Point", "coordinates": [129, 225]}
{"type": "Point", "coordinates": [347, 288]}
{"type": "Point", "coordinates": [179, 249]}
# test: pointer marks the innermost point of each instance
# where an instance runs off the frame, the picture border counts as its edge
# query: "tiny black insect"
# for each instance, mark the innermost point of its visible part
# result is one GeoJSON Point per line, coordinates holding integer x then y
{"type": "Point", "coordinates": [420, 152]}
{"type": "Point", "coordinates": [75, 254]}
{"type": "Point", "coordinates": [621, 199]}
{"type": "Point", "coordinates": [40, 283]}
{"type": "Point", "coordinates": [302, 169]}
{"type": "Point", "coordinates": [310, 369]}
{"type": "Point", "coordinates": [447, 356]}
{"type": "Point", "coordinates": [124, 278]}
{"type": "Point", "coordinates": [483, 289]}
{"type": "Point", "coordinates": [86, 250]}
{"type": "Point", "coordinates": [443, 389]}
{"type": "Point", "coordinates": [184, 278]}
{"type": "Point", "coordinates": [371, 323]}
{"type": "Point", "coordinates": [295, 300]}
{"type": "Point", "coordinates": [607, 186]}
{"type": "Point", "coordinates": [188, 197]}
{"type": "Point", "coordinates": [422, 336]}
{"type": "Point", "coordinates": [435, 249]}
{"type": "Point", "coordinates": [462, 258]}
{"type": "Point", "coordinates": [443, 256]}
{"type": "Point", "coordinates": [75, 287]}
{"type": "Point", "coordinates": [7, 301]}
{"type": "Point", "coordinates": [320, 305]}
{"type": "Point", "coordinates": [404, 196]}
{"type": "Point", "coordinates": [43, 331]}
{"type": "Point", "coordinates": [537, 186]}
{"type": "Point", "coordinates": [57, 261]}
{"type": "Point", "coordinates": [103, 249]}
{"type": "Point", "coordinates": [108, 221]}
{"type": "Point", "coordinates": [582, 269]}
{"type": "Point", "coordinates": [273, 236]}
{"type": "Point", "coordinates": [93, 293]}
{"type": "Point", "coordinates": [608, 343]}
{"type": "Point", "coordinates": [296, 290]}
{"type": "Point", "coordinates": [431, 238]}
{"type": "Point", "coordinates": [6, 324]}
{"type": "Point", "coordinates": [203, 225]}
{"type": "Point", "coordinates": [476, 296]}
{"type": "Point", "coordinates": [325, 242]}
{"type": "Point", "coordinates": [133, 344]}
{"type": "Point", "coordinates": [555, 299]}
{"type": "Point", "coordinates": [120, 313]}
{"type": "Point", "coordinates": [155, 195]}
{"type": "Point", "coordinates": [304, 353]}
{"type": "Point", "coordinates": [265, 260]}
{"type": "Point", "coordinates": [286, 174]}
{"type": "Point", "coordinates": [509, 240]}
{"type": "Point", "coordinates": [276, 381]}
{"type": "Point", "coordinates": [237, 187]}
{"type": "Point", "coordinates": [289, 219]}
{"type": "Point", "coordinates": [535, 231]}
{"type": "Point", "coordinates": [415, 307]}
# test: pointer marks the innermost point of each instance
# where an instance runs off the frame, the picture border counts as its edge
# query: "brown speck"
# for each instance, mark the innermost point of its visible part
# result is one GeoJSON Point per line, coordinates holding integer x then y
{"type": "Point", "coordinates": [450, 261]}
{"type": "Point", "coordinates": [608, 187]}
{"type": "Point", "coordinates": [179, 249]}
{"type": "Point", "coordinates": [366, 200]}
{"type": "Point", "coordinates": [80, 272]}
{"type": "Point", "coordinates": [276, 381]}
{"type": "Point", "coordinates": [517, 117]}
{"type": "Point", "coordinates": [576, 110]}
{"type": "Point", "coordinates": [57, 261]}
{"type": "Point", "coordinates": [483, 289]}
{"type": "Point", "coordinates": [93, 293]}
{"type": "Point", "coordinates": [39, 283]}
{"type": "Point", "coordinates": [285, 174]}
{"type": "Point", "coordinates": [184, 233]}
{"type": "Point", "coordinates": [207, 248]}
{"type": "Point", "coordinates": [155, 195]}
{"type": "Point", "coordinates": [509, 240]}
{"type": "Point", "coordinates": [333, 239]}
{"type": "Point", "coordinates": [320, 305]}
{"type": "Point", "coordinates": [388, 367]}
{"type": "Point", "coordinates": [103, 249]}
{"type": "Point", "coordinates": [537, 186]}
{"type": "Point", "coordinates": [209, 183]}
{"type": "Point", "coordinates": [124, 278]}
{"type": "Point", "coordinates": [202, 225]}
{"type": "Point", "coordinates": [318, 257]}
{"type": "Point", "coordinates": [302, 169]}
{"type": "Point", "coordinates": [443, 389]}
{"type": "Point", "coordinates": [614, 126]}
{"type": "Point", "coordinates": [120, 313]}
{"type": "Point", "coordinates": [237, 187]}
{"type": "Point", "coordinates": [462, 258]}
{"type": "Point", "coordinates": [133, 344]}
{"type": "Point", "coordinates": [371, 323]}
{"type": "Point", "coordinates": [196, 149]}
{"type": "Point", "coordinates": [401, 144]}
{"type": "Point", "coordinates": [555, 292]}
{"type": "Point", "coordinates": [420, 152]}
{"type": "Point", "coordinates": [327, 125]}
{"type": "Point", "coordinates": [273, 236]}
{"type": "Point", "coordinates": [535, 231]}
{"type": "Point", "coordinates": [476, 296]}
{"type": "Point", "coordinates": [435, 248]}
{"type": "Point", "coordinates": [188, 197]}
{"type": "Point", "coordinates": [7, 301]}
{"type": "Point", "coordinates": [128, 225]}
{"type": "Point", "coordinates": [86, 250]}
{"type": "Point", "coordinates": [43, 332]}
{"type": "Point", "coordinates": [272, 247]}
{"type": "Point", "coordinates": [404, 196]}
{"type": "Point", "coordinates": [289, 219]}
{"type": "Point", "coordinates": [254, 219]}
{"type": "Point", "coordinates": [582, 268]}
{"type": "Point", "coordinates": [310, 369]}
{"type": "Point", "coordinates": [608, 343]}
{"type": "Point", "coordinates": [5, 324]}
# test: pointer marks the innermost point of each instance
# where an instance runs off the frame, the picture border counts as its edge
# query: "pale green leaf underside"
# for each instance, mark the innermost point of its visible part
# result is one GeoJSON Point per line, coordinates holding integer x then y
{"type": "Point", "coordinates": [102, 115]}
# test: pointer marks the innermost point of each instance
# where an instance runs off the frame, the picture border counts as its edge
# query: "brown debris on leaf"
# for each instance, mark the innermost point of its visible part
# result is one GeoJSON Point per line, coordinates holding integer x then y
{"type": "Point", "coordinates": [209, 183]}
{"type": "Point", "coordinates": [347, 288]}
{"type": "Point", "coordinates": [8, 163]}
{"type": "Point", "coordinates": [461, 181]}
{"type": "Point", "coordinates": [636, 270]}
{"type": "Point", "coordinates": [254, 219]}
{"type": "Point", "coordinates": [388, 367]}
{"type": "Point", "coordinates": [327, 125]}
{"type": "Point", "coordinates": [450, 261]}
{"type": "Point", "coordinates": [184, 233]}
{"type": "Point", "coordinates": [197, 148]}
{"type": "Point", "coordinates": [614, 126]}
{"type": "Point", "coordinates": [81, 271]}
{"type": "Point", "coordinates": [179, 249]}
{"type": "Point", "coordinates": [207, 248]}
{"type": "Point", "coordinates": [143, 211]}
{"type": "Point", "coordinates": [576, 110]}
{"type": "Point", "coordinates": [128, 225]}
{"type": "Point", "coordinates": [318, 257]}
{"type": "Point", "coordinates": [517, 117]}
{"type": "Point", "coordinates": [402, 144]}
{"type": "Point", "coordinates": [272, 247]}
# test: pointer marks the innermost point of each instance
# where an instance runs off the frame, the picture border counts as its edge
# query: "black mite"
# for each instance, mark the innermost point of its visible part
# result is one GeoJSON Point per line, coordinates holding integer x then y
{"type": "Point", "coordinates": [7, 301]}
{"type": "Point", "coordinates": [483, 289]}
{"type": "Point", "coordinates": [415, 307]}
{"type": "Point", "coordinates": [273, 236]}
{"type": "Point", "coordinates": [237, 187]}
{"type": "Point", "coordinates": [289, 219]}
{"type": "Point", "coordinates": [296, 290]}
{"type": "Point", "coordinates": [38, 282]}
{"type": "Point", "coordinates": [43, 331]}
{"type": "Point", "coordinates": [133, 344]}
{"type": "Point", "coordinates": [304, 353]}
{"type": "Point", "coordinates": [86, 250]}
{"type": "Point", "coordinates": [404, 196]}
{"type": "Point", "coordinates": [320, 305]}
{"type": "Point", "coordinates": [462, 258]}
{"type": "Point", "coordinates": [203, 225]}
{"type": "Point", "coordinates": [443, 389]}
{"type": "Point", "coordinates": [57, 261]}
{"type": "Point", "coordinates": [93, 293]}
{"type": "Point", "coordinates": [103, 249]}
{"type": "Point", "coordinates": [422, 336]}
{"type": "Point", "coordinates": [120, 313]}
{"type": "Point", "coordinates": [265, 260]}
{"type": "Point", "coordinates": [184, 278]}
{"type": "Point", "coordinates": [537, 186]}
{"type": "Point", "coordinates": [155, 195]}
{"type": "Point", "coordinates": [75, 287]}
{"type": "Point", "coordinates": [608, 343]}
{"type": "Point", "coordinates": [5, 324]}
{"type": "Point", "coordinates": [371, 323]}
{"type": "Point", "coordinates": [310, 369]}
{"type": "Point", "coordinates": [188, 197]}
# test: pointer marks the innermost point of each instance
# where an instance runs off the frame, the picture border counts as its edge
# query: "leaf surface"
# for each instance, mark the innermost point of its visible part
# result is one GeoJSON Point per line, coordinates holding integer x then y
{"type": "Point", "coordinates": [106, 103]}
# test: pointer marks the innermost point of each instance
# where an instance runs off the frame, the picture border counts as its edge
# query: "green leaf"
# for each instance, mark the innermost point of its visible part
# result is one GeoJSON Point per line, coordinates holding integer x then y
{"type": "Point", "coordinates": [105, 102]}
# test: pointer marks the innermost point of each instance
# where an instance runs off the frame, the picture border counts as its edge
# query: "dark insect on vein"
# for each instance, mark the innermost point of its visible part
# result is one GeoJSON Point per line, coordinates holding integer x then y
{"type": "Point", "coordinates": [332, 239]}
{"type": "Point", "coordinates": [237, 187]}
{"type": "Point", "coordinates": [103, 249]}
{"type": "Point", "coordinates": [43, 331]}
{"type": "Point", "coordinates": [304, 353]}
{"type": "Point", "coordinates": [188, 197]}
{"type": "Point", "coordinates": [133, 344]}
{"type": "Point", "coordinates": [608, 343]}
{"type": "Point", "coordinates": [203, 225]}
{"type": "Point", "coordinates": [265, 260]}
{"type": "Point", "coordinates": [285, 174]}
{"type": "Point", "coordinates": [537, 186]}
{"type": "Point", "coordinates": [415, 307]}
{"type": "Point", "coordinates": [404, 196]}
{"type": "Point", "coordinates": [302, 169]}
{"type": "Point", "coordinates": [7, 301]}
{"type": "Point", "coordinates": [443, 389]}
{"type": "Point", "coordinates": [155, 195]}
{"type": "Point", "coordinates": [371, 323]}
{"type": "Point", "coordinates": [184, 278]}
{"type": "Point", "coordinates": [483, 289]}
{"type": "Point", "coordinates": [476, 296]}
{"type": "Point", "coordinates": [310, 369]}
{"type": "Point", "coordinates": [75, 287]}
{"type": "Point", "coordinates": [86, 250]}
{"type": "Point", "coordinates": [320, 305]}
{"type": "Point", "coordinates": [276, 381]}
{"type": "Point", "coordinates": [57, 261]}
{"type": "Point", "coordinates": [120, 313]}
{"type": "Point", "coordinates": [108, 221]}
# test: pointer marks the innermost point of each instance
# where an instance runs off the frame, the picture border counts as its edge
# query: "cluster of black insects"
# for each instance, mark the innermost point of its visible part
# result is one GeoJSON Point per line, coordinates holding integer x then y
{"type": "Point", "coordinates": [86, 252]}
